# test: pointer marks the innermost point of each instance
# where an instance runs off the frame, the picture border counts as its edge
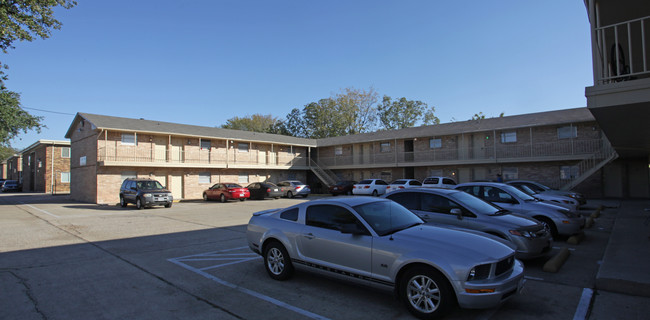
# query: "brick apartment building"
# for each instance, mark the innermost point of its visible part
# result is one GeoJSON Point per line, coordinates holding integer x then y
{"type": "Point", "coordinates": [46, 167]}
{"type": "Point", "coordinates": [563, 148]}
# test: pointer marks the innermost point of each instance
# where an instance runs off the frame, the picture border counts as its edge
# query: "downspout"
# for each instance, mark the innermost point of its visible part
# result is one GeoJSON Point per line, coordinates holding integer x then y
{"type": "Point", "coordinates": [52, 171]}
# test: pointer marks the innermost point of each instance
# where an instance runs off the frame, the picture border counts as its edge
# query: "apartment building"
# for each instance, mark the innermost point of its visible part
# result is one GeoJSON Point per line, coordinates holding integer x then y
{"type": "Point", "coordinates": [46, 167]}
{"type": "Point", "coordinates": [187, 159]}
{"type": "Point", "coordinates": [620, 96]}
{"type": "Point", "coordinates": [561, 148]}
{"type": "Point", "coordinates": [14, 167]}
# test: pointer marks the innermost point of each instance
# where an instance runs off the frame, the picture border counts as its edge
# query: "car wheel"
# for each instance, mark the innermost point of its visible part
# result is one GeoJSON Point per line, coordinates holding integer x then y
{"type": "Point", "coordinates": [205, 197]}
{"type": "Point", "coordinates": [548, 225]}
{"type": "Point", "coordinates": [169, 205]}
{"type": "Point", "coordinates": [242, 199]}
{"type": "Point", "coordinates": [138, 203]}
{"type": "Point", "coordinates": [374, 193]}
{"type": "Point", "coordinates": [222, 198]}
{"type": "Point", "coordinates": [277, 261]}
{"type": "Point", "coordinates": [122, 202]}
{"type": "Point", "coordinates": [289, 194]}
{"type": "Point", "coordinates": [426, 293]}
{"type": "Point", "coordinates": [305, 196]}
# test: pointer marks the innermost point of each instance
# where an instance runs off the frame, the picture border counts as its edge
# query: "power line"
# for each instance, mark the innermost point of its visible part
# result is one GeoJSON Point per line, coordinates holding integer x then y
{"type": "Point", "coordinates": [68, 114]}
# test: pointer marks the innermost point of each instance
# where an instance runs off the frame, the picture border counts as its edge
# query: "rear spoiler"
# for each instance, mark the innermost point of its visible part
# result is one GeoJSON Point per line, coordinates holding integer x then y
{"type": "Point", "coordinates": [269, 211]}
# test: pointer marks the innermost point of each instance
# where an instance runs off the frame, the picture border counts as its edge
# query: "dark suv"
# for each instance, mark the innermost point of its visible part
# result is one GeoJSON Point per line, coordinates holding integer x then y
{"type": "Point", "coordinates": [144, 193]}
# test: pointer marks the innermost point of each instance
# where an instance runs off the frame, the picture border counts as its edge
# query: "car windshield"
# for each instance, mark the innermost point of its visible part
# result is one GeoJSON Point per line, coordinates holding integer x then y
{"type": "Point", "coordinates": [519, 193]}
{"type": "Point", "coordinates": [476, 204]}
{"type": "Point", "coordinates": [343, 183]}
{"type": "Point", "coordinates": [398, 182]}
{"type": "Point", "coordinates": [232, 185]}
{"type": "Point", "coordinates": [149, 185]}
{"type": "Point", "coordinates": [386, 217]}
{"type": "Point", "coordinates": [365, 182]}
{"type": "Point", "coordinates": [527, 190]}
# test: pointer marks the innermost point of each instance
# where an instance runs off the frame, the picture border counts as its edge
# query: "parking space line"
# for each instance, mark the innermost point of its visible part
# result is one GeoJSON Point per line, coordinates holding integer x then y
{"type": "Point", "coordinates": [41, 210]}
{"type": "Point", "coordinates": [583, 306]}
{"type": "Point", "coordinates": [223, 256]}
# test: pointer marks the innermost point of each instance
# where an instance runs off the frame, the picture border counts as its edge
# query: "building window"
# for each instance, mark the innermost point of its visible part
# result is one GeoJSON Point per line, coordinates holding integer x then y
{"type": "Point", "coordinates": [65, 152]}
{"type": "Point", "coordinates": [509, 173]}
{"type": "Point", "coordinates": [128, 139]}
{"type": "Point", "coordinates": [509, 137]}
{"type": "Point", "coordinates": [243, 178]}
{"type": "Point", "coordinates": [204, 177]}
{"type": "Point", "coordinates": [82, 161]}
{"type": "Point", "coordinates": [567, 132]}
{"type": "Point", "coordinates": [569, 172]}
{"type": "Point", "coordinates": [338, 151]}
{"type": "Point", "coordinates": [206, 144]}
{"type": "Point", "coordinates": [384, 147]}
{"type": "Point", "coordinates": [435, 143]}
{"type": "Point", "coordinates": [242, 147]}
{"type": "Point", "coordinates": [65, 177]}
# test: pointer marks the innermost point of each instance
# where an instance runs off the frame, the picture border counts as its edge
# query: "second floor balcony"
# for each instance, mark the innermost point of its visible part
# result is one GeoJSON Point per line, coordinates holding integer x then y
{"type": "Point", "coordinates": [569, 149]}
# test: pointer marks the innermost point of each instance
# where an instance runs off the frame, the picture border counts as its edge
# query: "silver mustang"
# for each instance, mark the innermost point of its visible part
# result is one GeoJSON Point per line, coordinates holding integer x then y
{"type": "Point", "coordinates": [380, 243]}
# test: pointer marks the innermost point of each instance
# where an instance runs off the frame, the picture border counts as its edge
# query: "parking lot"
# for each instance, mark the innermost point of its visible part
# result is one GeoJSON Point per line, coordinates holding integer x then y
{"type": "Point", "coordinates": [61, 259]}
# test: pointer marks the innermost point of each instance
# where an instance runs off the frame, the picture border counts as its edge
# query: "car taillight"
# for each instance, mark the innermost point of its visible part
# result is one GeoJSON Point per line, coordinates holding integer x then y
{"type": "Point", "coordinates": [298, 188]}
{"type": "Point", "coordinates": [366, 187]}
{"type": "Point", "coordinates": [401, 187]}
{"type": "Point", "coordinates": [268, 190]}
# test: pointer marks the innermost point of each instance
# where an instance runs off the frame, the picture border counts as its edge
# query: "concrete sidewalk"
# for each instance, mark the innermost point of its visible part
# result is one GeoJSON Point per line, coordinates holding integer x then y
{"type": "Point", "coordinates": [625, 266]}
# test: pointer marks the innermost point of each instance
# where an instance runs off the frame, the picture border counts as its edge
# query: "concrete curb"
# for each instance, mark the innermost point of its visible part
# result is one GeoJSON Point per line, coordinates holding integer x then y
{"type": "Point", "coordinates": [576, 239]}
{"type": "Point", "coordinates": [589, 223]}
{"type": "Point", "coordinates": [554, 264]}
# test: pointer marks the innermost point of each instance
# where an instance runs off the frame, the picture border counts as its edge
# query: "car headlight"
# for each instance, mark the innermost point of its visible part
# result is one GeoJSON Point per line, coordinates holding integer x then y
{"type": "Point", "coordinates": [522, 233]}
{"type": "Point", "coordinates": [147, 195]}
{"type": "Point", "coordinates": [479, 272]}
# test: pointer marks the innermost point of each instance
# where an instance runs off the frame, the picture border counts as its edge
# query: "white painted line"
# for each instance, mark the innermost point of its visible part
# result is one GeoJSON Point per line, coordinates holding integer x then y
{"type": "Point", "coordinates": [570, 249]}
{"type": "Point", "coordinates": [230, 263]}
{"type": "Point", "coordinates": [583, 306]}
{"type": "Point", "coordinates": [50, 214]}
{"type": "Point", "coordinates": [258, 295]}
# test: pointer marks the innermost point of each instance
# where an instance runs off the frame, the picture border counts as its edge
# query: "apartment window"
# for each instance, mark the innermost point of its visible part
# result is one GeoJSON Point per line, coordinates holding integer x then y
{"type": "Point", "coordinates": [509, 137]}
{"type": "Point", "coordinates": [338, 151]}
{"type": "Point", "coordinates": [435, 143]}
{"type": "Point", "coordinates": [384, 147]}
{"type": "Point", "coordinates": [205, 145]}
{"type": "Point", "coordinates": [242, 147]}
{"type": "Point", "coordinates": [243, 178]}
{"type": "Point", "coordinates": [65, 152]}
{"type": "Point", "coordinates": [567, 132]}
{"type": "Point", "coordinates": [128, 139]}
{"type": "Point", "coordinates": [569, 172]}
{"type": "Point", "coordinates": [509, 173]}
{"type": "Point", "coordinates": [82, 161]}
{"type": "Point", "coordinates": [65, 177]}
{"type": "Point", "coordinates": [204, 177]}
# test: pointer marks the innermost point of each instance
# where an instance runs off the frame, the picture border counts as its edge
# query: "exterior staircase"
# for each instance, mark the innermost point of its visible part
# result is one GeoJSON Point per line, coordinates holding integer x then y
{"type": "Point", "coordinates": [326, 176]}
{"type": "Point", "coordinates": [591, 165]}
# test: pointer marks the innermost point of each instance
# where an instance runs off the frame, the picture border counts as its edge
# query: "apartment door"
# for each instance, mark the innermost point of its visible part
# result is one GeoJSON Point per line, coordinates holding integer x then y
{"type": "Point", "coordinates": [464, 175]}
{"type": "Point", "coordinates": [409, 173]}
{"type": "Point", "coordinates": [177, 186]}
{"type": "Point", "coordinates": [480, 174]}
{"type": "Point", "coordinates": [176, 152]}
{"type": "Point", "coordinates": [478, 146]}
{"type": "Point", "coordinates": [613, 180]}
{"type": "Point", "coordinates": [463, 146]}
{"type": "Point", "coordinates": [408, 151]}
{"type": "Point", "coordinates": [160, 153]}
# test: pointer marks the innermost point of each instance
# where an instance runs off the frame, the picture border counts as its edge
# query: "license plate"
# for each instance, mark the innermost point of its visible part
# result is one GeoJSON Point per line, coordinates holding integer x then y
{"type": "Point", "coordinates": [241, 194]}
{"type": "Point", "coordinates": [275, 189]}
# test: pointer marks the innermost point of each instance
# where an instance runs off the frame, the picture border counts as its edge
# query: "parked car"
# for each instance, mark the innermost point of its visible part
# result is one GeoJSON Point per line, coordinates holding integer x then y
{"type": "Point", "coordinates": [262, 190]}
{"type": "Point", "coordinates": [374, 187]}
{"type": "Point", "coordinates": [402, 184]}
{"type": "Point", "coordinates": [301, 189]}
{"type": "Point", "coordinates": [11, 186]}
{"type": "Point", "coordinates": [287, 189]}
{"type": "Point", "coordinates": [460, 209]}
{"type": "Point", "coordinates": [558, 220]}
{"type": "Point", "coordinates": [566, 202]}
{"type": "Point", "coordinates": [542, 189]}
{"type": "Point", "coordinates": [225, 192]}
{"type": "Point", "coordinates": [342, 187]}
{"type": "Point", "coordinates": [144, 193]}
{"type": "Point", "coordinates": [439, 182]}
{"type": "Point", "coordinates": [380, 243]}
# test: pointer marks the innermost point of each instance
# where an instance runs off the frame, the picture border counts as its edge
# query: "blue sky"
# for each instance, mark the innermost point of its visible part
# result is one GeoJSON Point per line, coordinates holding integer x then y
{"type": "Point", "coordinates": [203, 62]}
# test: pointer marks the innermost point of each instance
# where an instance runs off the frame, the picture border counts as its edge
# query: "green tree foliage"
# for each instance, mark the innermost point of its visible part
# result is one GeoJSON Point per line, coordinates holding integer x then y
{"type": "Point", "coordinates": [255, 123]}
{"type": "Point", "coordinates": [6, 152]}
{"type": "Point", "coordinates": [481, 116]}
{"type": "Point", "coordinates": [404, 113]}
{"type": "Point", "coordinates": [357, 109]}
{"type": "Point", "coordinates": [13, 119]}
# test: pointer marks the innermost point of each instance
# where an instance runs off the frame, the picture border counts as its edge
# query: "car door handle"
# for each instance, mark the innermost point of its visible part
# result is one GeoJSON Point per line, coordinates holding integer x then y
{"type": "Point", "coordinates": [309, 236]}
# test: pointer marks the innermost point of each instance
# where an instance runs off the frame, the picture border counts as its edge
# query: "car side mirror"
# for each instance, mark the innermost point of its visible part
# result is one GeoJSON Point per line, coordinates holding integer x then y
{"type": "Point", "coordinates": [352, 228]}
{"type": "Point", "coordinates": [457, 212]}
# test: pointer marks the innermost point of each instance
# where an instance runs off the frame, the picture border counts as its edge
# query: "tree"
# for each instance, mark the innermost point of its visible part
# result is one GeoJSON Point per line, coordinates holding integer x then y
{"type": "Point", "coordinates": [255, 123]}
{"type": "Point", "coordinates": [13, 119]}
{"type": "Point", "coordinates": [404, 113]}
{"type": "Point", "coordinates": [6, 152]}
{"type": "Point", "coordinates": [481, 116]}
{"type": "Point", "coordinates": [357, 109]}
{"type": "Point", "coordinates": [24, 20]}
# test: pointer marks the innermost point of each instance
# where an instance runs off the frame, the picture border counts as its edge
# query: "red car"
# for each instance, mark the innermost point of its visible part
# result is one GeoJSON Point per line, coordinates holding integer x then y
{"type": "Point", "coordinates": [226, 191]}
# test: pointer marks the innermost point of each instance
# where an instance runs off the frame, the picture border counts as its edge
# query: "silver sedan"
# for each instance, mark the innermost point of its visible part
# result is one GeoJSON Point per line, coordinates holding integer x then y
{"type": "Point", "coordinates": [460, 209]}
{"type": "Point", "coordinates": [380, 243]}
